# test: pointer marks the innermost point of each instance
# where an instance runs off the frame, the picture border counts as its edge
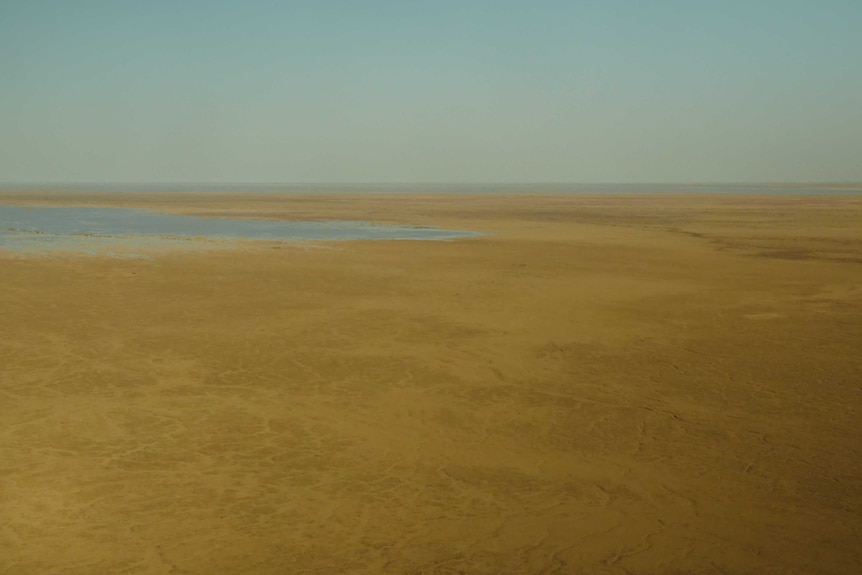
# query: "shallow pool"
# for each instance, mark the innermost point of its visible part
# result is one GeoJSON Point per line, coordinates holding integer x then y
{"type": "Point", "coordinates": [99, 230]}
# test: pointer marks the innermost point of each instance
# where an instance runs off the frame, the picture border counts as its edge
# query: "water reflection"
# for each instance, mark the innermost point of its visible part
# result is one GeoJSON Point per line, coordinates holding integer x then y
{"type": "Point", "coordinates": [96, 230]}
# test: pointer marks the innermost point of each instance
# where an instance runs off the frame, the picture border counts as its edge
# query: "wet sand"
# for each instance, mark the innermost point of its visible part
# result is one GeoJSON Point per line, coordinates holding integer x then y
{"type": "Point", "coordinates": [622, 384]}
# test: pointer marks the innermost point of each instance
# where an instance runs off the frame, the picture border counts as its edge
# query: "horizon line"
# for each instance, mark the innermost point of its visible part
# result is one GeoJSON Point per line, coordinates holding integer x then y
{"type": "Point", "coordinates": [437, 183]}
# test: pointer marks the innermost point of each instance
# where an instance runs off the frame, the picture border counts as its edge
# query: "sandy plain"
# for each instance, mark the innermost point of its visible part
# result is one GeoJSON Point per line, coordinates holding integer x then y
{"type": "Point", "coordinates": [649, 384]}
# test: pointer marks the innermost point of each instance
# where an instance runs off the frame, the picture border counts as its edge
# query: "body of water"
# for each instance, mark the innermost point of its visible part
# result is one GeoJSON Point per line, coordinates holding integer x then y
{"type": "Point", "coordinates": [98, 230]}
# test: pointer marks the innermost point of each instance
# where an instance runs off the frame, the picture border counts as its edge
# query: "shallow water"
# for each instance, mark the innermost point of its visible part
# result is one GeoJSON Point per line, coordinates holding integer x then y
{"type": "Point", "coordinates": [96, 230]}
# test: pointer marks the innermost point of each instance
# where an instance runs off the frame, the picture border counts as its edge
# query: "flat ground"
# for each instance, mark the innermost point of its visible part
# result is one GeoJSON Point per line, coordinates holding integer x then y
{"type": "Point", "coordinates": [622, 384]}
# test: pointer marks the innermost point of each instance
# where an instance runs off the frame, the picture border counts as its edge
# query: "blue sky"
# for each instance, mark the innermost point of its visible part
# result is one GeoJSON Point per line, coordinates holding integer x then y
{"type": "Point", "coordinates": [385, 91]}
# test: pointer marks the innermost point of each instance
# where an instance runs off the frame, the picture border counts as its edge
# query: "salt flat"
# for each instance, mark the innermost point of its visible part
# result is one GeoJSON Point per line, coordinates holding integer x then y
{"type": "Point", "coordinates": [652, 384]}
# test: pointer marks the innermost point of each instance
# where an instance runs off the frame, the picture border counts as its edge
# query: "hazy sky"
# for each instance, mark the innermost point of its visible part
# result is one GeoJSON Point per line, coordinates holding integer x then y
{"type": "Point", "coordinates": [408, 91]}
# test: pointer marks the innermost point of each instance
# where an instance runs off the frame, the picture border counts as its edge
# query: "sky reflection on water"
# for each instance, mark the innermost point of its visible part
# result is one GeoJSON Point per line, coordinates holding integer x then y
{"type": "Point", "coordinates": [100, 230]}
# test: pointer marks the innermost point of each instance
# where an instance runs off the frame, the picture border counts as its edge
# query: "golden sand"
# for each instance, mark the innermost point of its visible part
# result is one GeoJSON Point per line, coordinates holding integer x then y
{"type": "Point", "coordinates": [621, 384]}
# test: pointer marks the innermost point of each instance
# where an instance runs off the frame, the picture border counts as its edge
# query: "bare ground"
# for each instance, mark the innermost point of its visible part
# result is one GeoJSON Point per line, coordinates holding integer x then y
{"type": "Point", "coordinates": [620, 384]}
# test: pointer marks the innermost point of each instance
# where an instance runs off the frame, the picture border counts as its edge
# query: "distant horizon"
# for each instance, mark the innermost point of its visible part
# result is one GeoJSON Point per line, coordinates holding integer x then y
{"type": "Point", "coordinates": [575, 187]}
{"type": "Point", "coordinates": [437, 183]}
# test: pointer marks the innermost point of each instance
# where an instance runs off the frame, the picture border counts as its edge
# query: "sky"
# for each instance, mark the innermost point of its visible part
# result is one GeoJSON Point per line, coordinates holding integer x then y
{"type": "Point", "coordinates": [331, 91]}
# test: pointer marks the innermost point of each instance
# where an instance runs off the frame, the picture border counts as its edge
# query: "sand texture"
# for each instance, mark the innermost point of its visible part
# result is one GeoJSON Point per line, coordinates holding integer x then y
{"type": "Point", "coordinates": [651, 384]}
